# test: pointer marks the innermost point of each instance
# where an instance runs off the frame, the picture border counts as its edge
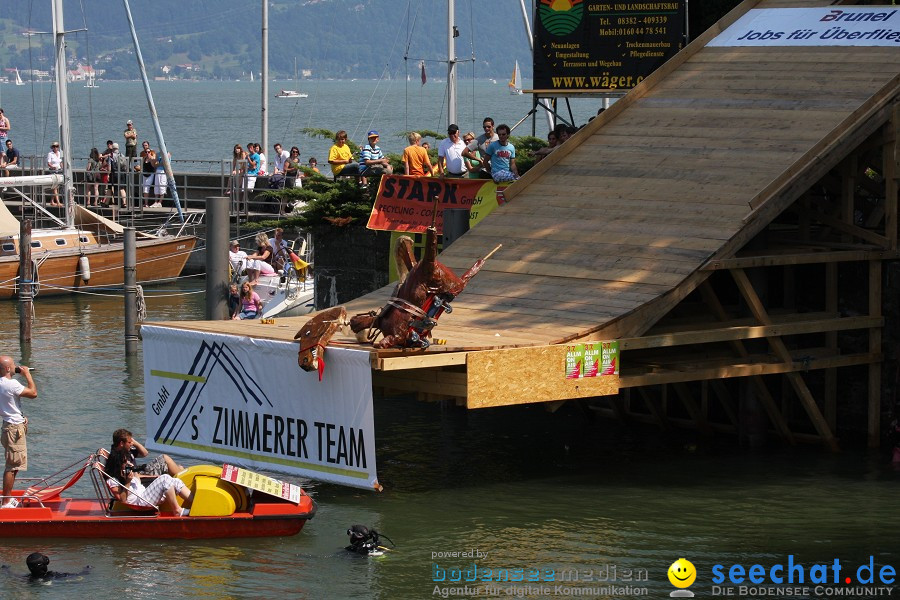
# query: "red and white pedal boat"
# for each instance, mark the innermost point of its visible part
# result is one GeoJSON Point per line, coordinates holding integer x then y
{"type": "Point", "coordinates": [221, 508]}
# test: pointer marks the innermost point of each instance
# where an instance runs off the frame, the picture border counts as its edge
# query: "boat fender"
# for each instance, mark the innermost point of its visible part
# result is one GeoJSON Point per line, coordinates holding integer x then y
{"type": "Point", "coordinates": [84, 267]}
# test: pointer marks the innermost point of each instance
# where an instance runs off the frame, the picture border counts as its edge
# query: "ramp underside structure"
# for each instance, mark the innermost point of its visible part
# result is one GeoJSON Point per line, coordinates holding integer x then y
{"type": "Point", "coordinates": [663, 224]}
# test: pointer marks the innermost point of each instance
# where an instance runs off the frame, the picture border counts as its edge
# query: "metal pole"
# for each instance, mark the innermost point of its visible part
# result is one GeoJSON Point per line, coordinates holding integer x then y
{"type": "Point", "coordinates": [265, 76]}
{"type": "Point", "coordinates": [154, 116]}
{"type": "Point", "coordinates": [62, 112]}
{"type": "Point", "coordinates": [451, 63]}
{"type": "Point", "coordinates": [131, 335]}
{"type": "Point", "coordinates": [217, 222]}
{"type": "Point", "coordinates": [25, 275]}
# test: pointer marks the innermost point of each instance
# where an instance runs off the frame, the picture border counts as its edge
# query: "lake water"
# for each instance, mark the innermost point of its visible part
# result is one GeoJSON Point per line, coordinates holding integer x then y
{"type": "Point", "coordinates": [203, 120]}
{"type": "Point", "coordinates": [532, 489]}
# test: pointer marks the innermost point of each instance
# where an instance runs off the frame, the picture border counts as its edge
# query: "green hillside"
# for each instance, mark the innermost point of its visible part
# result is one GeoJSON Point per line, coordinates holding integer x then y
{"type": "Point", "coordinates": [338, 39]}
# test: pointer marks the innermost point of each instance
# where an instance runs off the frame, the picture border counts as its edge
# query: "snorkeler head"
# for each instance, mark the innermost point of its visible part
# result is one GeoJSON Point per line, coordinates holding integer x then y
{"type": "Point", "coordinates": [37, 563]}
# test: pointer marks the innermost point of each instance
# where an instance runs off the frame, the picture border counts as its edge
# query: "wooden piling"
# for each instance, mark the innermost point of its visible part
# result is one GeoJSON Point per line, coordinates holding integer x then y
{"type": "Point", "coordinates": [25, 284]}
{"type": "Point", "coordinates": [217, 224]}
{"type": "Point", "coordinates": [130, 280]}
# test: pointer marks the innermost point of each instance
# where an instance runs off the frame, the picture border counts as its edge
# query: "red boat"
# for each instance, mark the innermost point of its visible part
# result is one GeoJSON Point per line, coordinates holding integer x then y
{"type": "Point", "coordinates": [221, 509]}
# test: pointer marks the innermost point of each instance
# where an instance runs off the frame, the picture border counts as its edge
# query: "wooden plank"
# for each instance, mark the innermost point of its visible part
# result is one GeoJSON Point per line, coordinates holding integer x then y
{"type": "Point", "coordinates": [806, 258]}
{"type": "Point", "coordinates": [419, 361]}
{"type": "Point", "coordinates": [631, 378]}
{"type": "Point", "coordinates": [726, 334]}
{"type": "Point", "coordinates": [528, 375]}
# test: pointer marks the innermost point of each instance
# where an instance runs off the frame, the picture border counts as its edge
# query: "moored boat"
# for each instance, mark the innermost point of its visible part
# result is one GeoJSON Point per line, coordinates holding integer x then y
{"type": "Point", "coordinates": [291, 94]}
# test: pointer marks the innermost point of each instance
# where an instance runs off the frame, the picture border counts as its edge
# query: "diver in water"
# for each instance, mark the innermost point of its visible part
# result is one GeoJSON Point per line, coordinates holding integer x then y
{"type": "Point", "coordinates": [37, 565]}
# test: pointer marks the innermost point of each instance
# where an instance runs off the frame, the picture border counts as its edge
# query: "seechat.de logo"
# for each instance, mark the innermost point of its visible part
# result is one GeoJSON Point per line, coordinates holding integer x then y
{"type": "Point", "coordinates": [561, 17]}
{"type": "Point", "coordinates": [682, 574]}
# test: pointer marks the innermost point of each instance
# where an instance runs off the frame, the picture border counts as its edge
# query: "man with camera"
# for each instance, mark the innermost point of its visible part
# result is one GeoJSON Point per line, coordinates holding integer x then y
{"type": "Point", "coordinates": [15, 425]}
{"type": "Point", "coordinates": [123, 440]}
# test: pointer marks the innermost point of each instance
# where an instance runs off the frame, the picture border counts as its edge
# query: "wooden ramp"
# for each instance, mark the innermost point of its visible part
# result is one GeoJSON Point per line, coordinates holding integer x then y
{"type": "Point", "coordinates": [609, 233]}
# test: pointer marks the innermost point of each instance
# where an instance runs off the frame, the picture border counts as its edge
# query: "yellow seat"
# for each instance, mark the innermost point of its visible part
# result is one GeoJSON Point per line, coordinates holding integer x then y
{"type": "Point", "coordinates": [213, 497]}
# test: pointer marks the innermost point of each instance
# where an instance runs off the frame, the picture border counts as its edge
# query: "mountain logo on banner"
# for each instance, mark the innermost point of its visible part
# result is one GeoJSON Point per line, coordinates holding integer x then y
{"type": "Point", "coordinates": [561, 17]}
{"type": "Point", "coordinates": [211, 359]}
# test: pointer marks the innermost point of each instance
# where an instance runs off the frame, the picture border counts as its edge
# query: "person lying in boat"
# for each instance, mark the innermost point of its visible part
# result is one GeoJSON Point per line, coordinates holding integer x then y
{"type": "Point", "coordinates": [123, 440]}
{"type": "Point", "coordinates": [162, 493]}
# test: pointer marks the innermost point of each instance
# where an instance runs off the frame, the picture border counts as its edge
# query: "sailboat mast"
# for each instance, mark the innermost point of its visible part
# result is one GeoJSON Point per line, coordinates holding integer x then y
{"type": "Point", "coordinates": [451, 62]}
{"type": "Point", "coordinates": [167, 165]}
{"type": "Point", "coordinates": [265, 76]}
{"type": "Point", "coordinates": [62, 111]}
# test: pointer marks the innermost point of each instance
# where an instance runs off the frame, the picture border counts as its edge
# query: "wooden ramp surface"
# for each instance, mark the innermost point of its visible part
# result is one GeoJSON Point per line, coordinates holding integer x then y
{"type": "Point", "coordinates": [609, 232]}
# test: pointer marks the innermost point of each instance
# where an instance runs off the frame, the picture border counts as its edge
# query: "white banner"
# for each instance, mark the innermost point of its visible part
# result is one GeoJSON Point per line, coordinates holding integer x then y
{"type": "Point", "coordinates": [826, 26]}
{"type": "Point", "coordinates": [245, 401]}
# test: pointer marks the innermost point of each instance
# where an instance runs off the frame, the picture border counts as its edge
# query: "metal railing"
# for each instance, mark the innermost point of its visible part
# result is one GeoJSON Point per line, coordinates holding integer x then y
{"type": "Point", "coordinates": [195, 181]}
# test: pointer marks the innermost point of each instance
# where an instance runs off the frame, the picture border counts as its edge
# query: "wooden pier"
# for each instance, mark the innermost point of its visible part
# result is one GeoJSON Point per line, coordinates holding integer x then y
{"type": "Point", "coordinates": [679, 222]}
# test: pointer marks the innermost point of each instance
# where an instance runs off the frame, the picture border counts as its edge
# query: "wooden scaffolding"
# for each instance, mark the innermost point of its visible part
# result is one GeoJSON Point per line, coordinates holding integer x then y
{"type": "Point", "coordinates": [726, 221]}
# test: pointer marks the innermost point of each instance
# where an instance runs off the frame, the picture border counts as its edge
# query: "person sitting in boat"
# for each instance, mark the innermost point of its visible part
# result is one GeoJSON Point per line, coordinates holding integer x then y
{"type": "Point", "coordinates": [240, 263]}
{"type": "Point", "coordinates": [251, 305]}
{"type": "Point", "coordinates": [162, 493]}
{"type": "Point", "coordinates": [37, 566]}
{"type": "Point", "coordinates": [123, 440]}
{"type": "Point", "coordinates": [281, 250]}
{"type": "Point", "coordinates": [264, 254]}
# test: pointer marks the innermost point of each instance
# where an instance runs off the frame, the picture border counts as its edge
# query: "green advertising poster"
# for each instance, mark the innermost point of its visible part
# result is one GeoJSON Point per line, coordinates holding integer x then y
{"type": "Point", "coordinates": [598, 46]}
{"type": "Point", "coordinates": [592, 359]}
{"type": "Point", "coordinates": [574, 361]}
{"type": "Point", "coordinates": [609, 358]}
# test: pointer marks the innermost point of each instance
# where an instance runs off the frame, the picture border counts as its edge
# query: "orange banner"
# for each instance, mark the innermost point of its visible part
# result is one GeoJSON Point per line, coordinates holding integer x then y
{"type": "Point", "coordinates": [407, 203]}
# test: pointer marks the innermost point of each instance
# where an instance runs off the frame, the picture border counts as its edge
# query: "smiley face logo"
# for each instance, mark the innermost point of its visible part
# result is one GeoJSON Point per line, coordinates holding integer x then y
{"type": "Point", "coordinates": [682, 573]}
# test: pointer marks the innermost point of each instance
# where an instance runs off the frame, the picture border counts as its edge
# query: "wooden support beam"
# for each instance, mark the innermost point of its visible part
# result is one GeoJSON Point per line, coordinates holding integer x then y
{"type": "Point", "coordinates": [858, 232]}
{"type": "Point", "coordinates": [891, 172]}
{"type": "Point", "coordinates": [659, 417]}
{"type": "Point", "coordinates": [775, 416]}
{"type": "Point", "coordinates": [660, 375]}
{"type": "Point", "coordinates": [778, 346]}
{"type": "Point", "coordinates": [690, 404]}
{"type": "Point", "coordinates": [729, 334]}
{"type": "Point", "coordinates": [418, 361]}
{"type": "Point", "coordinates": [848, 191]}
{"type": "Point", "coordinates": [831, 342]}
{"type": "Point", "coordinates": [874, 421]}
{"type": "Point", "coordinates": [804, 258]}
{"type": "Point", "coordinates": [725, 397]}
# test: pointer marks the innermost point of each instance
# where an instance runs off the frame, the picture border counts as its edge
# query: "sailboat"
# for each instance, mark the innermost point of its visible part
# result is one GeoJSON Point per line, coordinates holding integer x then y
{"type": "Point", "coordinates": [19, 78]}
{"type": "Point", "coordinates": [515, 83]}
{"type": "Point", "coordinates": [70, 257]}
{"type": "Point", "coordinates": [91, 83]}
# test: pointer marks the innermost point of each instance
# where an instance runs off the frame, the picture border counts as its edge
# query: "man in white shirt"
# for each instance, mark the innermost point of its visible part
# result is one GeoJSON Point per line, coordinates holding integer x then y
{"type": "Point", "coordinates": [281, 250]}
{"type": "Point", "coordinates": [450, 158]}
{"type": "Point", "coordinates": [54, 166]}
{"type": "Point", "coordinates": [15, 425]}
{"type": "Point", "coordinates": [280, 156]}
